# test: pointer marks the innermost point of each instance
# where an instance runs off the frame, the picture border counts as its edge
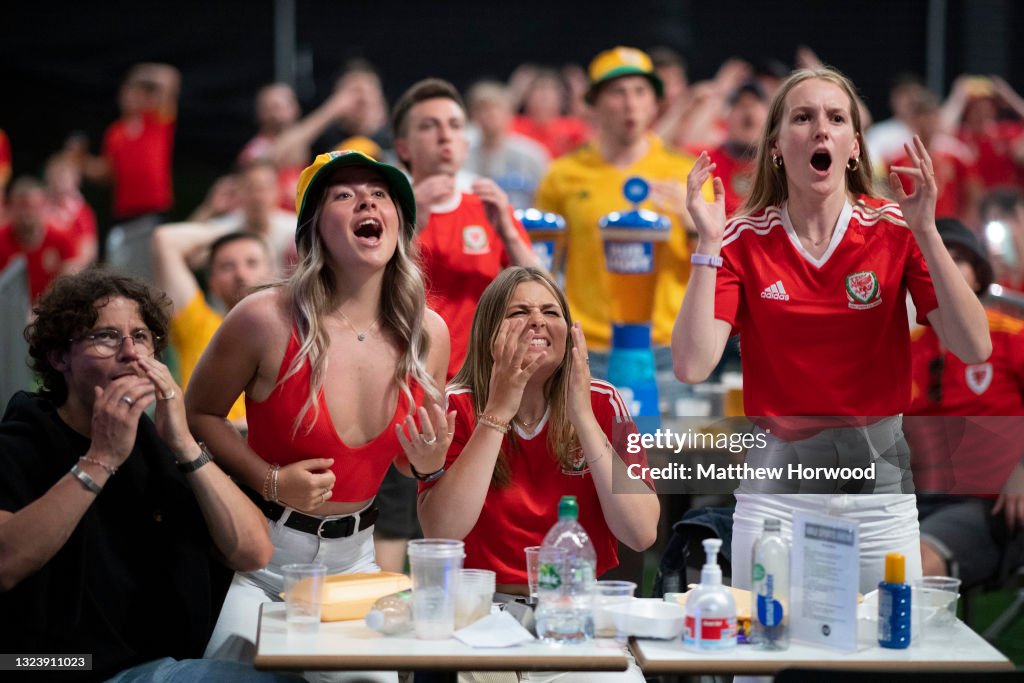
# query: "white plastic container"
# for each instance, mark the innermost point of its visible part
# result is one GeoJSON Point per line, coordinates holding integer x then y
{"type": "Point", "coordinates": [710, 622]}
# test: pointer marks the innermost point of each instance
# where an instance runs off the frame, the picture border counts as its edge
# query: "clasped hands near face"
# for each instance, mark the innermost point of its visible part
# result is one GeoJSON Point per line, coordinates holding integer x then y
{"type": "Point", "coordinates": [118, 406]}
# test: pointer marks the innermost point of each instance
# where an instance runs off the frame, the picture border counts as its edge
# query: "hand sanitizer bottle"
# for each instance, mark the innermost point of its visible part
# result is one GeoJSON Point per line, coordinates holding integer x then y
{"type": "Point", "coordinates": [710, 621]}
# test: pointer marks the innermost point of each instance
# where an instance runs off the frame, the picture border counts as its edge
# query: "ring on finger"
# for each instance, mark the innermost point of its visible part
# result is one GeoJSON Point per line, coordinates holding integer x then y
{"type": "Point", "coordinates": [168, 395]}
{"type": "Point", "coordinates": [129, 400]}
{"type": "Point", "coordinates": [431, 441]}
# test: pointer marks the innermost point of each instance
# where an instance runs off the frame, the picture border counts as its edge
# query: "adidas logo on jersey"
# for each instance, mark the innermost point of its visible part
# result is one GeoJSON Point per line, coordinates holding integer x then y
{"type": "Point", "coordinates": [775, 291]}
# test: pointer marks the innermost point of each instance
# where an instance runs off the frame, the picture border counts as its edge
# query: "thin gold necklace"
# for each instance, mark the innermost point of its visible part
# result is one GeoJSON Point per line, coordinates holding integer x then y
{"type": "Point", "coordinates": [361, 336]}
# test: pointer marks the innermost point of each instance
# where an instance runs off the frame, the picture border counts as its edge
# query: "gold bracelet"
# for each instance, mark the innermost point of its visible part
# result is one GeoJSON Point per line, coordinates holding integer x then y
{"type": "Point", "coordinates": [493, 423]}
{"type": "Point", "coordinates": [111, 470]}
{"type": "Point", "coordinates": [266, 482]}
{"type": "Point", "coordinates": [590, 463]}
{"type": "Point", "coordinates": [273, 484]}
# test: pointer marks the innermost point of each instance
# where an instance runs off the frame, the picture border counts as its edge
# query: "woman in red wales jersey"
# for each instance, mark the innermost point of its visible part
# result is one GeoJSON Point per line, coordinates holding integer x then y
{"type": "Point", "coordinates": [813, 276]}
{"type": "Point", "coordinates": [531, 426]}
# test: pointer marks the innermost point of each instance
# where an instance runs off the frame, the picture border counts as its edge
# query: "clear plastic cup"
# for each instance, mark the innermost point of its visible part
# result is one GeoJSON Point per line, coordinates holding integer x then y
{"type": "Point", "coordinates": [934, 605]}
{"type": "Point", "coordinates": [609, 624]}
{"type": "Point", "coordinates": [476, 593]}
{"type": "Point", "coordinates": [532, 564]}
{"type": "Point", "coordinates": [303, 590]}
{"type": "Point", "coordinates": [435, 564]}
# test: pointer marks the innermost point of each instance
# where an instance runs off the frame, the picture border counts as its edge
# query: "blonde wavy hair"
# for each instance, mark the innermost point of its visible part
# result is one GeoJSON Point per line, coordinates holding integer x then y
{"type": "Point", "coordinates": [475, 372]}
{"type": "Point", "coordinates": [770, 187]}
{"type": "Point", "coordinates": [310, 292]}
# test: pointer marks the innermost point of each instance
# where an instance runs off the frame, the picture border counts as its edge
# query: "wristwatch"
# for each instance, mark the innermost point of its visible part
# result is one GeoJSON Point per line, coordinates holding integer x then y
{"type": "Point", "coordinates": [431, 476]}
{"type": "Point", "coordinates": [193, 465]}
{"type": "Point", "coordinates": [706, 260]}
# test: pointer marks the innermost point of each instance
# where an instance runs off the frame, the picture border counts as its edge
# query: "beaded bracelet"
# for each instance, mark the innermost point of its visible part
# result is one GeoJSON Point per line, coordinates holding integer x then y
{"type": "Point", "coordinates": [111, 470]}
{"type": "Point", "coordinates": [266, 482]}
{"type": "Point", "coordinates": [273, 484]}
{"type": "Point", "coordinates": [493, 423]}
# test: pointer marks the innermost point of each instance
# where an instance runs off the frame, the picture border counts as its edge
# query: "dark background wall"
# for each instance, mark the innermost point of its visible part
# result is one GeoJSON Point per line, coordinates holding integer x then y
{"type": "Point", "coordinates": [60, 62]}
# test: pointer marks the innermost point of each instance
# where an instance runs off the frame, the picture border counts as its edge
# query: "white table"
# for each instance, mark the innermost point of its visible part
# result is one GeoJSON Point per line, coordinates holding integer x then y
{"type": "Point", "coordinates": [963, 650]}
{"type": "Point", "coordinates": [350, 645]}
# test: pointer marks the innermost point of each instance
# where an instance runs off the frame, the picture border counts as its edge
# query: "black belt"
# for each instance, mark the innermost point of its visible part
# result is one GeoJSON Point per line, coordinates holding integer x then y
{"type": "Point", "coordinates": [338, 527]}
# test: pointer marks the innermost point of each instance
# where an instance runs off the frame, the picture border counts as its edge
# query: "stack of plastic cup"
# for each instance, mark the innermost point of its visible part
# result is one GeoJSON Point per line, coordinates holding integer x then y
{"type": "Point", "coordinates": [435, 564]}
{"type": "Point", "coordinates": [476, 593]}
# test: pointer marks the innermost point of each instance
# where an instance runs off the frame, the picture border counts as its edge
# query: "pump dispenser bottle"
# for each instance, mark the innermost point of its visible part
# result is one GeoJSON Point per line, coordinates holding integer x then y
{"type": "Point", "coordinates": [710, 622]}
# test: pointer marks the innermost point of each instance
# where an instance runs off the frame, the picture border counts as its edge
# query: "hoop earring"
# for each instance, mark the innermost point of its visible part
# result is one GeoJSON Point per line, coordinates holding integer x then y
{"type": "Point", "coordinates": [852, 164]}
{"type": "Point", "coordinates": [777, 160]}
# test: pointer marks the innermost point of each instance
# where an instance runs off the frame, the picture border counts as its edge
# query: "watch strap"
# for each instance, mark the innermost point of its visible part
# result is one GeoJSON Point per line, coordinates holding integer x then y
{"type": "Point", "coordinates": [706, 260]}
{"type": "Point", "coordinates": [193, 465]}
{"type": "Point", "coordinates": [431, 476]}
{"type": "Point", "coordinates": [88, 482]}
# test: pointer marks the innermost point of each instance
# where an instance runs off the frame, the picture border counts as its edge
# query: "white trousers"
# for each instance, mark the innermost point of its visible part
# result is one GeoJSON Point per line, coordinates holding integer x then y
{"type": "Point", "coordinates": [234, 636]}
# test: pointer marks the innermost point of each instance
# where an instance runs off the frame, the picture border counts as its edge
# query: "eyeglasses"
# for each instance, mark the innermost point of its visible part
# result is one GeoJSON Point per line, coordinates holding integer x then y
{"type": "Point", "coordinates": [106, 343]}
{"type": "Point", "coordinates": [935, 368]}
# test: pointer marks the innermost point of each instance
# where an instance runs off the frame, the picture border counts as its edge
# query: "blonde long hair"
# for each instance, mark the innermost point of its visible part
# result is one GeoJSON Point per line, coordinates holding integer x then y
{"type": "Point", "coordinates": [476, 370]}
{"type": "Point", "coordinates": [310, 293]}
{"type": "Point", "coordinates": [770, 187]}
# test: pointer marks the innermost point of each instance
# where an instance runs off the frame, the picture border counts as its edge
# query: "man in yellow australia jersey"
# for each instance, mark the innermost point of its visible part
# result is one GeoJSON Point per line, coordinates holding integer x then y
{"type": "Point", "coordinates": [586, 184]}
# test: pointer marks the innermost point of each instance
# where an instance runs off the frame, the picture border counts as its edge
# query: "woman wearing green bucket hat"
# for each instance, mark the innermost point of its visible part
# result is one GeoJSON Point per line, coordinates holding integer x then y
{"type": "Point", "coordinates": [342, 366]}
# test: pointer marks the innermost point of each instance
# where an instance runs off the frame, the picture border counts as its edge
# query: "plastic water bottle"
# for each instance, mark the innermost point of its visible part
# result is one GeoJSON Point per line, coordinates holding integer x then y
{"type": "Point", "coordinates": [565, 612]}
{"type": "Point", "coordinates": [391, 614]}
{"type": "Point", "coordinates": [770, 589]}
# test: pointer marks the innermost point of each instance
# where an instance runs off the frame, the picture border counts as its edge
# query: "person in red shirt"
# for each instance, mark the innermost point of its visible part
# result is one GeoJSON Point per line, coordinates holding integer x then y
{"type": "Point", "coordinates": [48, 251]}
{"type": "Point", "coordinates": [972, 112]}
{"type": "Point", "coordinates": [734, 160]}
{"type": "Point", "coordinates": [465, 239]}
{"type": "Point", "coordinates": [531, 425]}
{"type": "Point", "coordinates": [67, 209]}
{"type": "Point", "coordinates": [543, 117]}
{"type": "Point", "coordinates": [970, 468]}
{"type": "Point", "coordinates": [956, 173]}
{"type": "Point", "coordinates": [813, 274]}
{"type": "Point", "coordinates": [138, 147]}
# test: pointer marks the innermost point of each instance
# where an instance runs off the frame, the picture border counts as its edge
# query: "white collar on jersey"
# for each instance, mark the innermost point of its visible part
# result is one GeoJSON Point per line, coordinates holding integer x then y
{"type": "Point", "coordinates": [837, 234]}
{"type": "Point", "coordinates": [530, 433]}
{"type": "Point", "coordinates": [448, 206]}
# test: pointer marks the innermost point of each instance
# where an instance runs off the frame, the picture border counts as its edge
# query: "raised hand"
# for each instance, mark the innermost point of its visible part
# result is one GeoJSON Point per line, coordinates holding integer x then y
{"type": "Point", "coordinates": [307, 484]}
{"type": "Point", "coordinates": [511, 370]}
{"type": "Point", "coordinates": [708, 217]}
{"type": "Point", "coordinates": [918, 207]}
{"type": "Point", "coordinates": [115, 417]}
{"type": "Point", "coordinates": [495, 202]}
{"type": "Point", "coordinates": [431, 191]}
{"type": "Point", "coordinates": [578, 406]}
{"type": "Point", "coordinates": [171, 423]}
{"type": "Point", "coordinates": [669, 196]}
{"type": "Point", "coordinates": [426, 444]}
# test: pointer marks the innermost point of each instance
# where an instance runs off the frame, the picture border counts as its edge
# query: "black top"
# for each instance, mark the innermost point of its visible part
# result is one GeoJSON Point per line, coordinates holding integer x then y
{"type": "Point", "coordinates": [133, 582]}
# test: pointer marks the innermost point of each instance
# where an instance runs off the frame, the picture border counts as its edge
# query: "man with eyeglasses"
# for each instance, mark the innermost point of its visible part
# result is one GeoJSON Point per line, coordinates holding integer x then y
{"type": "Point", "coordinates": [107, 517]}
{"type": "Point", "coordinates": [966, 434]}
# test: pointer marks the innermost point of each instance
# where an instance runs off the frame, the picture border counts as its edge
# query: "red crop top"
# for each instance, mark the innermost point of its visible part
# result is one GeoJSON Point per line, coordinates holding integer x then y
{"type": "Point", "coordinates": [359, 470]}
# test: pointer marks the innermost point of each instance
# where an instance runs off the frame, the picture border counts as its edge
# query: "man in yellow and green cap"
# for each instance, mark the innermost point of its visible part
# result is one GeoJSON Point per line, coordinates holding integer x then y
{"type": "Point", "coordinates": [585, 185]}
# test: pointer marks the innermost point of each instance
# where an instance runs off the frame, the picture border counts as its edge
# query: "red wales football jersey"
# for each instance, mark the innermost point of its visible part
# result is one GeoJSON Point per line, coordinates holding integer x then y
{"type": "Point", "coordinates": [828, 336]}
{"type": "Point", "coordinates": [964, 423]}
{"type": "Point", "coordinates": [461, 253]}
{"type": "Point", "coordinates": [951, 387]}
{"type": "Point", "coordinates": [519, 515]}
